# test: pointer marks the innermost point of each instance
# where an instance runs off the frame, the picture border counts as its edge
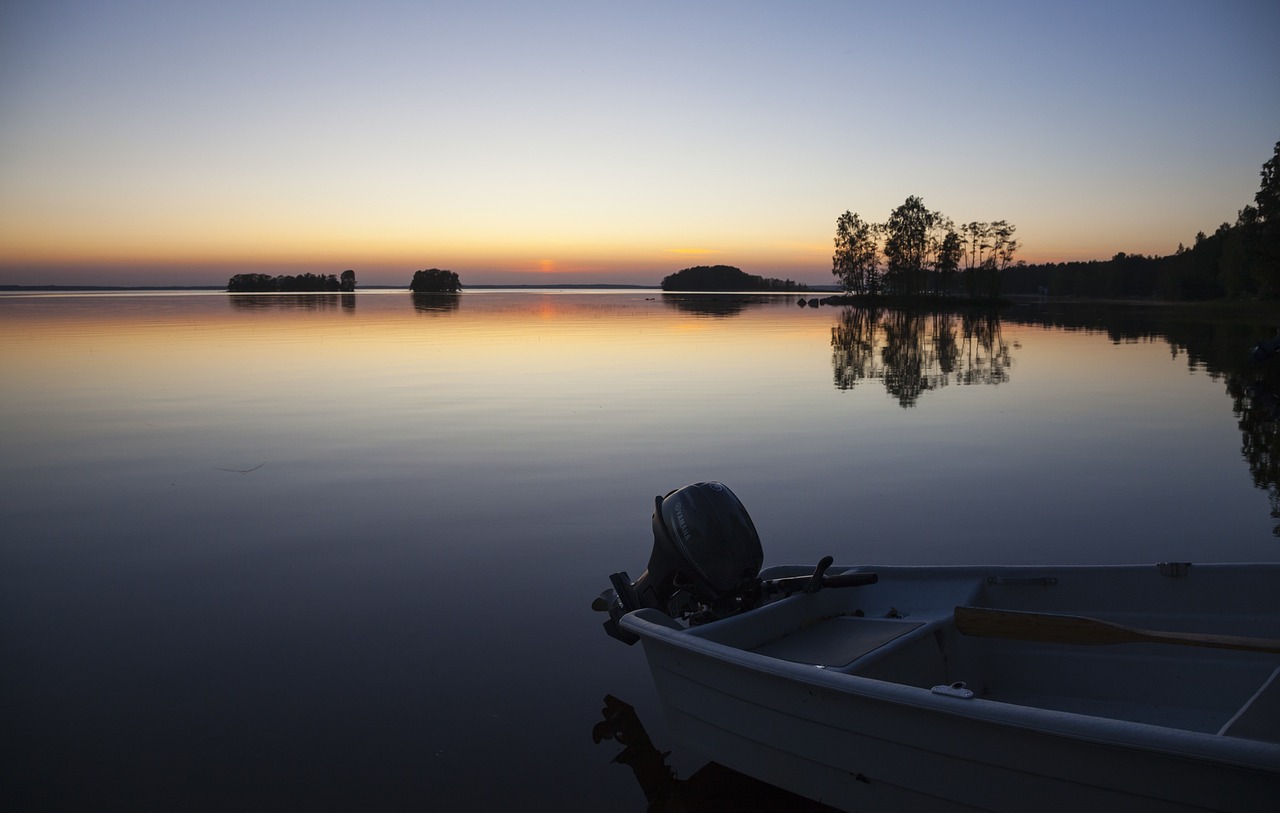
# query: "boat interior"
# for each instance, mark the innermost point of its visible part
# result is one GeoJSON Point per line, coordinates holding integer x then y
{"type": "Point", "coordinates": [903, 630]}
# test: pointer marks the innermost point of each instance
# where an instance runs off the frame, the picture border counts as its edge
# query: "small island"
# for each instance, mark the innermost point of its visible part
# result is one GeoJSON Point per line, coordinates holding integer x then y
{"type": "Point", "coordinates": [300, 283]}
{"type": "Point", "coordinates": [435, 281]}
{"type": "Point", "coordinates": [724, 278]}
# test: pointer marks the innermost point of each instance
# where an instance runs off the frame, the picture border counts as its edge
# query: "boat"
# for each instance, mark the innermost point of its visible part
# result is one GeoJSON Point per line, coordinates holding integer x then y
{"type": "Point", "coordinates": [1149, 687]}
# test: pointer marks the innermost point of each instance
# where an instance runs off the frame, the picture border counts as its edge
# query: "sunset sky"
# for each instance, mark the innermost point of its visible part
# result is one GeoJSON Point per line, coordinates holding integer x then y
{"type": "Point", "coordinates": [182, 142]}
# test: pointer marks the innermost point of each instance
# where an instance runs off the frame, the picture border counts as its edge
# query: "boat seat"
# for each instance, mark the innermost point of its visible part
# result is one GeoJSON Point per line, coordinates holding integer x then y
{"type": "Point", "coordinates": [1259, 719]}
{"type": "Point", "coordinates": [836, 641]}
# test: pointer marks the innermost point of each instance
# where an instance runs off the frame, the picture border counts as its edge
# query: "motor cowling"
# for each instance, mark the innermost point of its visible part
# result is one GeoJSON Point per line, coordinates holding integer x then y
{"type": "Point", "coordinates": [704, 544]}
{"type": "Point", "coordinates": [705, 564]}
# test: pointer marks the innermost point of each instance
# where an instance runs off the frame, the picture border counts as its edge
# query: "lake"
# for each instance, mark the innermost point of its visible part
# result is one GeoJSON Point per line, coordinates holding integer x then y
{"type": "Point", "coordinates": [337, 552]}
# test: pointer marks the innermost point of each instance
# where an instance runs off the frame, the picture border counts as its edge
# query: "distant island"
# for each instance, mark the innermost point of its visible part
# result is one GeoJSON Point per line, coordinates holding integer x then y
{"type": "Point", "coordinates": [724, 278]}
{"type": "Point", "coordinates": [301, 283]}
{"type": "Point", "coordinates": [435, 281]}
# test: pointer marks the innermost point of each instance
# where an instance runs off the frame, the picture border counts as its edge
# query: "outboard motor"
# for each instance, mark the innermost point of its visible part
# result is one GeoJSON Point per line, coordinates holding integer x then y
{"type": "Point", "coordinates": [704, 543]}
{"type": "Point", "coordinates": [705, 564]}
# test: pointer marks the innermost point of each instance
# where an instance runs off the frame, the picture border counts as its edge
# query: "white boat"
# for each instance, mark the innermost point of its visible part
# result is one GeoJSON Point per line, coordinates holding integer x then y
{"type": "Point", "coordinates": [1006, 688]}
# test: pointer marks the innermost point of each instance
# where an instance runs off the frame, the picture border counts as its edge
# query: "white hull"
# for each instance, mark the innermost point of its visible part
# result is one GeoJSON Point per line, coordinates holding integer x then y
{"type": "Point", "coordinates": [838, 707]}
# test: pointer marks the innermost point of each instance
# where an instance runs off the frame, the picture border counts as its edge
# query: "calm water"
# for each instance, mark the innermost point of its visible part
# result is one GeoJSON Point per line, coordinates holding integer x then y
{"type": "Point", "coordinates": [337, 552]}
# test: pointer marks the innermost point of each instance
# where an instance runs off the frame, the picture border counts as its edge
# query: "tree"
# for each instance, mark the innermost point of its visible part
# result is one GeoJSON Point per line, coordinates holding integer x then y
{"type": "Point", "coordinates": [1002, 248]}
{"type": "Point", "coordinates": [1266, 229]}
{"type": "Point", "coordinates": [856, 262]}
{"type": "Point", "coordinates": [975, 243]}
{"type": "Point", "coordinates": [347, 282]}
{"type": "Point", "coordinates": [1268, 196]}
{"type": "Point", "coordinates": [1005, 246]}
{"type": "Point", "coordinates": [906, 246]}
{"type": "Point", "coordinates": [435, 281]}
{"type": "Point", "coordinates": [947, 263]}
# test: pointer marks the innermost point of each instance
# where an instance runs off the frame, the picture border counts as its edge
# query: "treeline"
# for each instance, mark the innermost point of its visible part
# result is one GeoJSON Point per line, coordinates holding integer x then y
{"type": "Point", "coordinates": [725, 278]}
{"type": "Point", "coordinates": [300, 283]}
{"type": "Point", "coordinates": [1239, 260]}
{"type": "Point", "coordinates": [919, 252]}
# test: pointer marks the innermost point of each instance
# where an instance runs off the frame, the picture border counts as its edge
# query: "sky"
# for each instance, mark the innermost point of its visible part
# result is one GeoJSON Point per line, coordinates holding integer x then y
{"type": "Point", "coordinates": [178, 143]}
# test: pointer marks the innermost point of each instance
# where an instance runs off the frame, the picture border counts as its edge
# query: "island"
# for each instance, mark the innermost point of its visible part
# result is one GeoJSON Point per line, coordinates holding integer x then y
{"type": "Point", "coordinates": [435, 281]}
{"type": "Point", "coordinates": [724, 278]}
{"type": "Point", "coordinates": [300, 283]}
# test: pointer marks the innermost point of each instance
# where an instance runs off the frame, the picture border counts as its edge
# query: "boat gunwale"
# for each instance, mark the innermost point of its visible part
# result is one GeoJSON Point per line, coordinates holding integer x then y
{"type": "Point", "coordinates": [655, 627]}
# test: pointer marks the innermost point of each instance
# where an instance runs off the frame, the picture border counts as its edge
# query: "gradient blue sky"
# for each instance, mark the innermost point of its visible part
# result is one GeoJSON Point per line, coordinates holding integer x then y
{"type": "Point", "coordinates": [173, 142]}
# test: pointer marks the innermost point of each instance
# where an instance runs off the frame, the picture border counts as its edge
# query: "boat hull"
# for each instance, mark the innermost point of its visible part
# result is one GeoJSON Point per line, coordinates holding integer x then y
{"type": "Point", "coordinates": [769, 693]}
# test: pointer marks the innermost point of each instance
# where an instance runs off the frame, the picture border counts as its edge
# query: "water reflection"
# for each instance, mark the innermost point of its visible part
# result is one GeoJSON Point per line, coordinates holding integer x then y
{"type": "Point", "coordinates": [712, 787]}
{"type": "Point", "coordinates": [303, 302]}
{"type": "Point", "coordinates": [436, 304]}
{"type": "Point", "coordinates": [523, 429]}
{"type": "Point", "coordinates": [1257, 408]}
{"type": "Point", "coordinates": [715, 304]}
{"type": "Point", "coordinates": [1231, 346]}
{"type": "Point", "coordinates": [913, 352]}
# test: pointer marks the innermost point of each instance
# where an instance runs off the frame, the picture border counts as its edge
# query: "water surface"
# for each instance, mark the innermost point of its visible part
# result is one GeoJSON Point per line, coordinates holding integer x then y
{"type": "Point", "coordinates": [337, 551]}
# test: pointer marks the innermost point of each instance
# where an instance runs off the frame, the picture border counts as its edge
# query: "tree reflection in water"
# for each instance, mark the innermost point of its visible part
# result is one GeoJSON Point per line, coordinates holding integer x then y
{"type": "Point", "coordinates": [435, 304]}
{"type": "Point", "coordinates": [293, 301]}
{"type": "Point", "coordinates": [1221, 340]}
{"type": "Point", "coordinates": [713, 304]}
{"type": "Point", "coordinates": [1256, 402]}
{"type": "Point", "coordinates": [913, 352]}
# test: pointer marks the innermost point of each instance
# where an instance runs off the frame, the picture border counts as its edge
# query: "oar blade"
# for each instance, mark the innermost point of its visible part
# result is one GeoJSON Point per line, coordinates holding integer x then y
{"type": "Point", "coordinates": [987, 622]}
{"type": "Point", "coordinates": [984, 622]}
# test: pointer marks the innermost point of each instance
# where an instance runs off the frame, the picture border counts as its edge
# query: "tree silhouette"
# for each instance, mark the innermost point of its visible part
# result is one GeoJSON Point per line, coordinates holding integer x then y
{"type": "Point", "coordinates": [856, 262]}
{"type": "Point", "coordinates": [435, 281]}
{"type": "Point", "coordinates": [922, 253]}
{"type": "Point", "coordinates": [906, 246]}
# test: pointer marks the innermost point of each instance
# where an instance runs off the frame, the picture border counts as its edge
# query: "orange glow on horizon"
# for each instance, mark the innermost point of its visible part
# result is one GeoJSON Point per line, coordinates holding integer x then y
{"type": "Point", "coordinates": [182, 257]}
{"type": "Point", "coordinates": [694, 252]}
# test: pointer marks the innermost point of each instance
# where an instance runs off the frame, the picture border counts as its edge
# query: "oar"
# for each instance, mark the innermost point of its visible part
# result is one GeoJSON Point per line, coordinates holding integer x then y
{"type": "Point", "coordinates": [985, 622]}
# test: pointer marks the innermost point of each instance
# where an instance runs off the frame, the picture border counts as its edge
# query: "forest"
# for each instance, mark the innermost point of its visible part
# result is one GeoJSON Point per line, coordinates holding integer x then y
{"type": "Point", "coordinates": [1239, 260]}
{"type": "Point", "coordinates": [919, 252]}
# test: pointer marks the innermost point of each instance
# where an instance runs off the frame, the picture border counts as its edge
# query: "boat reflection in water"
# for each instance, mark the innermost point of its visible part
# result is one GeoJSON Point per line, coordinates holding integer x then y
{"type": "Point", "coordinates": [712, 787]}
